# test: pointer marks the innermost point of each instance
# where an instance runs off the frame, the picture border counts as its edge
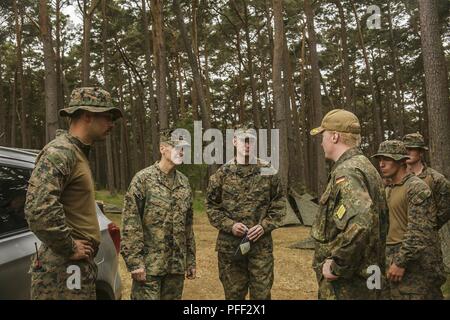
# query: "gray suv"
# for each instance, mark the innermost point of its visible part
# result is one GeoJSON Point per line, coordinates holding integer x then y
{"type": "Point", "coordinates": [17, 242]}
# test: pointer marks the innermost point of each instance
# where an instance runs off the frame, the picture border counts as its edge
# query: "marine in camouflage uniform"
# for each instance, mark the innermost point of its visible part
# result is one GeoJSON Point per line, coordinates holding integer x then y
{"type": "Point", "coordinates": [60, 206]}
{"type": "Point", "coordinates": [351, 228]}
{"type": "Point", "coordinates": [439, 185]}
{"type": "Point", "coordinates": [413, 243]}
{"type": "Point", "coordinates": [158, 236]}
{"type": "Point", "coordinates": [247, 194]}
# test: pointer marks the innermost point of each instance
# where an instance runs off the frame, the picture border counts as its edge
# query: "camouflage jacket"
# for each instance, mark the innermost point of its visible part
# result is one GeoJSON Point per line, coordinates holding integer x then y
{"type": "Point", "coordinates": [240, 193]}
{"type": "Point", "coordinates": [60, 203]}
{"type": "Point", "coordinates": [421, 237]}
{"type": "Point", "coordinates": [440, 187]}
{"type": "Point", "coordinates": [352, 224]}
{"type": "Point", "coordinates": [157, 223]}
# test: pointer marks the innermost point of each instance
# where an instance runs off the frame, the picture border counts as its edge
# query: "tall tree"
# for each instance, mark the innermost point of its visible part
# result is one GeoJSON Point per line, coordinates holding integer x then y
{"type": "Point", "coordinates": [250, 60]}
{"type": "Point", "coordinates": [151, 102]}
{"type": "Point", "coordinates": [206, 118]}
{"type": "Point", "coordinates": [51, 99]}
{"type": "Point", "coordinates": [59, 74]}
{"type": "Point", "coordinates": [18, 22]}
{"type": "Point", "coordinates": [400, 123]}
{"type": "Point", "coordinates": [278, 98]}
{"type": "Point", "coordinates": [436, 81]}
{"type": "Point", "coordinates": [347, 93]}
{"type": "Point", "coordinates": [3, 118]}
{"type": "Point", "coordinates": [159, 51]}
{"type": "Point", "coordinates": [376, 108]}
{"type": "Point", "coordinates": [316, 96]}
{"type": "Point", "coordinates": [88, 12]}
{"type": "Point", "coordinates": [106, 76]}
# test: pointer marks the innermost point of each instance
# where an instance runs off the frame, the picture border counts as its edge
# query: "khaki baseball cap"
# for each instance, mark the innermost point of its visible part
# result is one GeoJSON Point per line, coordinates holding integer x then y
{"type": "Point", "coordinates": [338, 120]}
{"type": "Point", "coordinates": [92, 99]}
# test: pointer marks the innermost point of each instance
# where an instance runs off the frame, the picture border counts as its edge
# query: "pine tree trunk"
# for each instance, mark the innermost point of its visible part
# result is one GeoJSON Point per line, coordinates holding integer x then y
{"type": "Point", "coordinates": [18, 22]}
{"type": "Point", "coordinates": [59, 74]}
{"type": "Point", "coordinates": [376, 111]}
{"type": "Point", "coordinates": [278, 98]}
{"type": "Point", "coordinates": [317, 98]}
{"type": "Point", "coordinates": [3, 113]}
{"type": "Point", "coordinates": [159, 50]}
{"type": "Point", "coordinates": [436, 81]}
{"type": "Point", "coordinates": [399, 110]}
{"type": "Point", "coordinates": [51, 99]}
{"type": "Point", "coordinates": [206, 117]}
{"type": "Point", "coordinates": [255, 107]}
{"type": "Point", "coordinates": [109, 152]}
{"type": "Point", "coordinates": [87, 25]}
{"type": "Point", "coordinates": [347, 94]}
{"type": "Point", "coordinates": [151, 102]}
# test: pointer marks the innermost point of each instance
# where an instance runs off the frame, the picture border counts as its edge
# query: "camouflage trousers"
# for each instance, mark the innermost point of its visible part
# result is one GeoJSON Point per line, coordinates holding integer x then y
{"type": "Point", "coordinates": [422, 280]}
{"type": "Point", "coordinates": [61, 279]}
{"type": "Point", "coordinates": [253, 272]}
{"type": "Point", "coordinates": [168, 287]}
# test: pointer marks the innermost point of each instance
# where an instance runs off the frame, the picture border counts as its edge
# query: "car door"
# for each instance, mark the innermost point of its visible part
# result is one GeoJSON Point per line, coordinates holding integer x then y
{"type": "Point", "coordinates": [17, 243]}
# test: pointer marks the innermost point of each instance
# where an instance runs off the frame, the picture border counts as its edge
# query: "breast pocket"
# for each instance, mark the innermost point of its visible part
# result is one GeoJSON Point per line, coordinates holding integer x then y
{"type": "Point", "coordinates": [156, 209]}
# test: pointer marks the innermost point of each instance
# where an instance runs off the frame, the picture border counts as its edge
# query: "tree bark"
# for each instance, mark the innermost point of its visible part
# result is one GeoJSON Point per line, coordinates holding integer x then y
{"type": "Point", "coordinates": [400, 123]}
{"type": "Point", "coordinates": [292, 112]}
{"type": "Point", "coordinates": [347, 94]}
{"type": "Point", "coordinates": [87, 25]}
{"type": "Point", "coordinates": [278, 98]}
{"type": "Point", "coordinates": [376, 112]}
{"type": "Point", "coordinates": [151, 102]}
{"type": "Point", "coordinates": [206, 118]}
{"type": "Point", "coordinates": [159, 50]}
{"type": "Point", "coordinates": [109, 152]}
{"type": "Point", "coordinates": [3, 113]}
{"type": "Point", "coordinates": [20, 99]}
{"type": "Point", "coordinates": [436, 81]}
{"type": "Point", "coordinates": [51, 99]}
{"type": "Point", "coordinates": [59, 75]}
{"type": "Point", "coordinates": [255, 106]}
{"type": "Point", "coordinates": [316, 95]}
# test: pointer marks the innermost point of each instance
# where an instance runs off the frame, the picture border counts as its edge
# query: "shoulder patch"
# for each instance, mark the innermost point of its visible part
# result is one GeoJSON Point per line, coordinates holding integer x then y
{"type": "Point", "coordinates": [340, 212]}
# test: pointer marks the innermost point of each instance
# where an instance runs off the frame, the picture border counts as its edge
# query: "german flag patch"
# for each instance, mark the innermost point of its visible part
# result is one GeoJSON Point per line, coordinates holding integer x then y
{"type": "Point", "coordinates": [340, 179]}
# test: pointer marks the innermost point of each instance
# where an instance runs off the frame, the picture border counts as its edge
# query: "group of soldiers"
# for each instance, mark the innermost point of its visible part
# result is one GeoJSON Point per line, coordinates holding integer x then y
{"type": "Point", "coordinates": [390, 222]}
{"type": "Point", "coordinates": [364, 219]}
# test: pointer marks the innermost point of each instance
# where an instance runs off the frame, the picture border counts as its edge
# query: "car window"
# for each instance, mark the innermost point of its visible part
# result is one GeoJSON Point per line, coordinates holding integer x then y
{"type": "Point", "coordinates": [13, 190]}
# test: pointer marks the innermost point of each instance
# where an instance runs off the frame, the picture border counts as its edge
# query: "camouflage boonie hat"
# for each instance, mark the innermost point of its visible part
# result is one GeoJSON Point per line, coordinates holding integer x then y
{"type": "Point", "coordinates": [167, 136]}
{"type": "Point", "coordinates": [394, 149]}
{"type": "Point", "coordinates": [339, 120]}
{"type": "Point", "coordinates": [414, 140]}
{"type": "Point", "coordinates": [245, 131]}
{"type": "Point", "coordinates": [92, 99]}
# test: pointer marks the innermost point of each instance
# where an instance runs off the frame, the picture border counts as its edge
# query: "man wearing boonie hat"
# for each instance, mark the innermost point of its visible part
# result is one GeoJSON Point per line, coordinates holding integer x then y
{"type": "Point", "coordinates": [413, 254]}
{"type": "Point", "coordinates": [440, 186]}
{"type": "Point", "coordinates": [158, 243]}
{"type": "Point", "coordinates": [60, 203]}
{"type": "Point", "coordinates": [350, 229]}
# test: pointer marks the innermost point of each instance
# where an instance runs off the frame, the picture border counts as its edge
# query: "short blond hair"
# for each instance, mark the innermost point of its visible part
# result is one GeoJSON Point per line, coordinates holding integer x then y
{"type": "Point", "coordinates": [350, 139]}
